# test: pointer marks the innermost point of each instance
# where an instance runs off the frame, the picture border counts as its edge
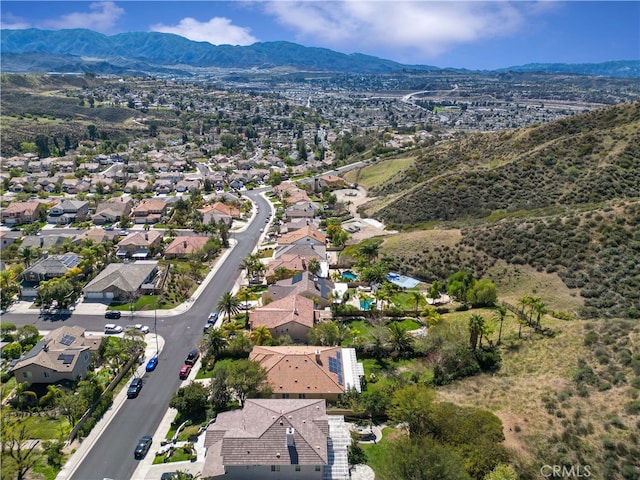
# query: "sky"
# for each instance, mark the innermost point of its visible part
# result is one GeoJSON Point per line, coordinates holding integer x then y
{"type": "Point", "coordinates": [473, 34]}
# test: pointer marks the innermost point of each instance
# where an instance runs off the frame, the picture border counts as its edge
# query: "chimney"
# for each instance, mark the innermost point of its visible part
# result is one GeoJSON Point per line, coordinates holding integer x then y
{"type": "Point", "coordinates": [146, 236]}
{"type": "Point", "coordinates": [318, 356]}
{"type": "Point", "coordinates": [290, 440]}
{"type": "Point", "coordinates": [295, 311]}
{"type": "Point", "coordinates": [184, 244]}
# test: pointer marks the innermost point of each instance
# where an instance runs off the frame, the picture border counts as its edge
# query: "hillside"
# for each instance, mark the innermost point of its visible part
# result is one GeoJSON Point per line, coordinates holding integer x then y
{"type": "Point", "coordinates": [562, 198]}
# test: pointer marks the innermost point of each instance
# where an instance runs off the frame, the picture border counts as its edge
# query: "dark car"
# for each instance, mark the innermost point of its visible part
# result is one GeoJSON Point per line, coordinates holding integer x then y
{"type": "Point", "coordinates": [143, 446]}
{"type": "Point", "coordinates": [152, 364]}
{"type": "Point", "coordinates": [185, 371]}
{"type": "Point", "coordinates": [192, 357]}
{"type": "Point", "coordinates": [174, 476]}
{"type": "Point", "coordinates": [113, 314]}
{"type": "Point", "coordinates": [134, 388]}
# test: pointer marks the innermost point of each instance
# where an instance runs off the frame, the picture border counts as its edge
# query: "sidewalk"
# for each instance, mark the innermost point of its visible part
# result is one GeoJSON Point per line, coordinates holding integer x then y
{"type": "Point", "coordinates": [86, 444]}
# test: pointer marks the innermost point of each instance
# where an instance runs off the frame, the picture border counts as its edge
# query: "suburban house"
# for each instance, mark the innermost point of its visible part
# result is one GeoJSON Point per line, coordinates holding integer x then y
{"type": "Point", "coordinates": [44, 241]}
{"type": "Point", "coordinates": [298, 223]}
{"type": "Point", "coordinates": [292, 315]}
{"type": "Point", "coordinates": [140, 244]}
{"type": "Point", "coordinates": [309, 251]}
{"type": "Point", "coordinates": [279, 439]}
{"type": "Point", "coordinates": [8, 238]}
{"type": "Point", "coordinates": [329, 181]}
{"type": "Point", "coordinates": [304, 236]}
{"type": "Point", "coordinates": [123, 280]}
{"type": "Point", "coordinates": [18, 213]}
{"type": "Point", "coordinates": [219, 211]}
{"type": "Point", "coordinates": [306, 210]}
{"type": "Point", "coordinates": [305, 284]}
{"type": "Point", "coordinates": [150, 210]}
{"type": "Point", "coordinates": [63, 354]}
{"type": "Point", "coordinates": [183, 246]}
{"type": "Point", "coordinates": [112, 210]}
{"type": "Point", "coordinates": [95, 235]}
{"type": "Point", "coordinates": [289, 264]}
{"type": "Point", "coordinates": [310, 371]}
{"type": "Point", "coordinates": [68, 211]}
{"type": "Point", "coordinates": [46, 268]}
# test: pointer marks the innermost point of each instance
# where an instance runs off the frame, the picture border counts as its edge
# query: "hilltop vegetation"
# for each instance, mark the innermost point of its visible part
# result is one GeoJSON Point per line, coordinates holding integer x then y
{"type": "Point", "coordinates": [562, 198]}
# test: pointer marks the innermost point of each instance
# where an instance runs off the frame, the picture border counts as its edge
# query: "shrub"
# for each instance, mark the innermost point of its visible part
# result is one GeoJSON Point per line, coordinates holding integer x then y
{"type": "Point", "coordinates": [633, 408]}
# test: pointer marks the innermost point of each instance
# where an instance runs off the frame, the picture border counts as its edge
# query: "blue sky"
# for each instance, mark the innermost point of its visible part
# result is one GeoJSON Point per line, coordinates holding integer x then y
{"type": "Point", "coordinates": [474, 34]}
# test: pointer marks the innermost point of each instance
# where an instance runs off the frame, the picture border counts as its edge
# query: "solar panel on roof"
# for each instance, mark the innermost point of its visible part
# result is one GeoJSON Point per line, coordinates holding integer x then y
{"type": "Point", "coordinates": [71, 260]}
{"type": "Point", "coordinates": [67, 340]}
{"type": "Point", "coordinates": [66, 358]}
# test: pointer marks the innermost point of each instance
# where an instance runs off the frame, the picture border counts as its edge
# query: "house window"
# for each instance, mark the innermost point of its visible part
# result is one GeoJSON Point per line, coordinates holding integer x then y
{"type": "Point", "coordinates": [285, 395]}
{"type": "Point", "coordinates": [302, 395]}
{"type": "Point", "coordinates": [318, 468]}
{"type": "Point", "coordinates": [297, 468]}
{"type": "Point", "coordinates": [46, 374]}
{"type": "Point", "coordinates": [26, 374]}
{"type": "Point", "coordinates": [275, 468]}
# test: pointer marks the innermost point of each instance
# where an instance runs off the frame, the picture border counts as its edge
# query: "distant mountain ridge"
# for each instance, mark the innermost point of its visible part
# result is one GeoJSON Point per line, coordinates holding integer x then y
{"type": "Point", "coordinates": [82, 50]}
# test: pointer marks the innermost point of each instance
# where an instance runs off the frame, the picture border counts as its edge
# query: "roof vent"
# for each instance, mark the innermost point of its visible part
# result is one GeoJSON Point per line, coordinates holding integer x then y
{"type": "Point", "coordinates": [290, 437]}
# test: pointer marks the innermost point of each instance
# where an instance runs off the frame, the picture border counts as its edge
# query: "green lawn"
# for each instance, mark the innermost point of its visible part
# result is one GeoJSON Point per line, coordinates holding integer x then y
{"type": "Point", "coordinates": [375, 452]}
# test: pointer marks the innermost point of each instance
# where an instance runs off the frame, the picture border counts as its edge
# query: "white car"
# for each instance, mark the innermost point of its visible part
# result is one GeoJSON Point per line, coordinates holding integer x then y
{"type": "Point", "coordinates": [112, 328]}
{"type": "Point", "coordinates": [138, 326]}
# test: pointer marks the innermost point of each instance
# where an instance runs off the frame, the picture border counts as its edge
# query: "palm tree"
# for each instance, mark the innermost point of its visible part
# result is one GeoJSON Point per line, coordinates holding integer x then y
{"type": "Point", "coordinates": [476, 327]}
{"type": "Point", "coordinates": [369, 250]}
{"type": "Point", "coordinates": [27, 256]}
{"type": "Point", "coordinates": [418, 298]}
{"type": "Point", "coordinates": [260, 335]}
{"type": "Point", "coordinates": [540, 309]}
{"type": "Point", "coordinates": [228, 304]}
{"type": "Point", "coordinates": [213, 342]}
{"type": "Point", "coordinates": [313, 266]}
{"type": "Point", "coordinates": [501, 314]}
{"type": "Point", "coordinates": [400, 340]}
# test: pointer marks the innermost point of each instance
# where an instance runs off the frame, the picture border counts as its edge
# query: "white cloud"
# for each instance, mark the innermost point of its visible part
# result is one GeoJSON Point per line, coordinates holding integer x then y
{"type": "Point", "coordinates": [218, 31]}
{"type": "Point", "coordinates": [410, 29]}
{"type": "Point", "coordinates": [11, 22]}
{"type": "Point", "coordinates": [101, 18]}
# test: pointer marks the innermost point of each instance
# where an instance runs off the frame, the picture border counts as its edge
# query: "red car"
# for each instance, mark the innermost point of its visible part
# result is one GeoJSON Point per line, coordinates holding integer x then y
{"type": "Point", "coordinates": [185, 371]}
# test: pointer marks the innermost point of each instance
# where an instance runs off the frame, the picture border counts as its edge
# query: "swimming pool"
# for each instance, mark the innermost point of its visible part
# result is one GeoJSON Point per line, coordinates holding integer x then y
{"type": "Point", "coordinates": [365, 304]}
{"type": "Point", "coordinates": [349, 275]}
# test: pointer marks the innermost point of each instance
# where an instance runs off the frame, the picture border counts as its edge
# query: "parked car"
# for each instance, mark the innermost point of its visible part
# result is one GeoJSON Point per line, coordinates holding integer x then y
{"type": "Point", "coordinates": [113, 314]}
{"type": "Point", "coordinates": [213, 316]}
{"type": "Point", "coordinates": [134, 388]}
{"type": "Point", "coordinates": [175, 476]}
{"type": "Point", "coordinates": [192, 357]}
{"type": "Point", "coordinates": [138, 326]}
{"type": "Point", "coordinates": [206, 328]}
{"type": "Point", "coordinates": [185, 371]}
{"type": "Point", "coordinates": [152, 364]}
{"type": "Point", "coordinates": [110, 328]}
{"type": "Point", "coordinates": [143, 446]}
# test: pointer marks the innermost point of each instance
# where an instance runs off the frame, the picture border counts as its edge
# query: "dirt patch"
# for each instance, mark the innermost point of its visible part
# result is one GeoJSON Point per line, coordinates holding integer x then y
{"type": "Point", "coordinates": [515, 429]}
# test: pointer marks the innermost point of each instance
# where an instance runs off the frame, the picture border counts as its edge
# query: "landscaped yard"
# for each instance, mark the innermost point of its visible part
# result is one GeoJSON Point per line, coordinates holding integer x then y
{"type": "Point", "coordinates": [375, 451]}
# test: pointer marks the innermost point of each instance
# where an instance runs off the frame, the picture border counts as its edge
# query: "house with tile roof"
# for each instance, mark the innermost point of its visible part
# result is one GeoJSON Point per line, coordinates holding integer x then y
{"type": "Point", "coordinates": [68, 211]}
{"type": "Point", "coordinates": [139, 245]}
{"type": "Point", "coordinates": [306, 235]}
{"type": "Point", "coordinates": [112, 210]}
{"type": "Point", "coordinates": [18, 213]}
{"type": "Point", "coordinates": [120, 280]}
{"type": "Point", "coordinates": [149, 210]}
{"type": "Point", "coordinates": [63, 354]}
{"type": "Point", "coordinates": [310, 371]}
{"type": "Point", "coordinates": [293, 316]}
{"type": "Point", "coordinates": [306, 284]}
{"type": "Point", "coordinates": [46, 268]}
{"type": "Point", "coordinates": [185, 245]}
{"type": "Point", "coordinates": [276, 438]}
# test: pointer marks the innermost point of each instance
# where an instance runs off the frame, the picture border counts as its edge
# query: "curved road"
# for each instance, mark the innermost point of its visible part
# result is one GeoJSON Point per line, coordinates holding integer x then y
{"type": "Point", "coordinates": [112, 454]}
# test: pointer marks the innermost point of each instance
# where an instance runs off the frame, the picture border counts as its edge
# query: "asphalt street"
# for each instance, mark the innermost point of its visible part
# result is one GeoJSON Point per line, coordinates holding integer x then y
{"type": "Point", "coordinates": [111, 455]}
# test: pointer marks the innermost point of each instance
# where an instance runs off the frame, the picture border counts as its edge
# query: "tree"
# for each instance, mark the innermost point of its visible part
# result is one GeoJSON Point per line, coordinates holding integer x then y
{"type": "Point", "coordinates": [422, 458]}
{"type": "Point", "coordinates": [502, 472]}
{"type": "Point", "coordinates": [369, 250]}
{"type": "Point", "coordinates": [42, 145]}
{"type": "Point", "coordinates": [260, 335]}
{"type": "Point", "coordinates": [418, 298]}
{"type": "Point", "coordinates": [219, 386]}
{"type": "Point", "coordinates": [190, 401]}
{"type": "Point", "coordinates": [325, 334]}
{"type": "Point", "coordinates": [400, 341]}
{"type": "Point", "coordinates": [434, 290]}
{"type": "Point", "coordinates": [7, 330]}
{"type": "Point", "coordinates": [72, 407]}
{"type": "Point", "coordinates": [412, 405]}
{"type": "Point", "coordinates": [482, 293]}
{"type": "Point", "coordinates": [212, 344]}
{"type": "Point", "coordinates": [246, 379]}
{"type": "Point", "coordinates": [313, 266]}
{"type": "Point", "coordinates": [458, 285]}
{"type": "Point", "coordinates": [501, 314]}
{"type": "Point", "coordinates": [476, 326]}
{"type": "Point", "coordinates": [18, 453]}
{"type": "Point", "coordinates": [9, 288]}
{"type": "Point", "coordinates": [27, 255]}
{"type": "Point", "coordinates": [12, 351]}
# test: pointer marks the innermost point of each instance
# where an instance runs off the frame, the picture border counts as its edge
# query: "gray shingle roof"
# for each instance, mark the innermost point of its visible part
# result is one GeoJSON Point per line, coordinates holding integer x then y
{"type": "Point", "coordinates": [127, 277]}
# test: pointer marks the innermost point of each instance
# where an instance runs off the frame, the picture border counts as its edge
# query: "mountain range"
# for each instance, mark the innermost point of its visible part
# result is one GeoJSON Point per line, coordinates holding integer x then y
{"type": "Point", "coordinates": [82, 50]}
